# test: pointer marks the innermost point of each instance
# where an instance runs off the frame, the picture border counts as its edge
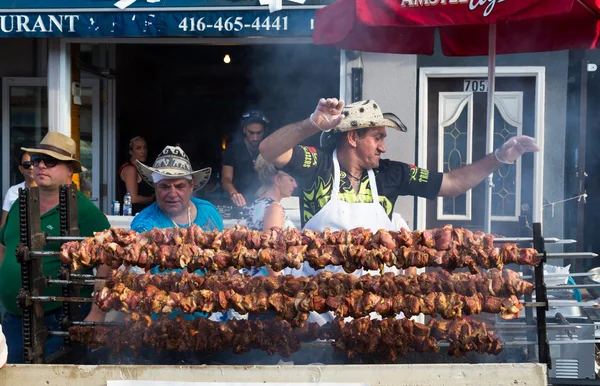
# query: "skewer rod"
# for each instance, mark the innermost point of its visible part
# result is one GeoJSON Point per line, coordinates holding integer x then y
{"type": "Point", "coordinates": [572, 286]}
{"type": "Point", "coordinates": [571, 255]}
{"type": "Point", "coordinates": [61, 299]}
{"type": "Point", "coordinates": [515, 326]}
{"type": "Point", "coordinates": [526, 277]}
{"type": "Point", "coordinates": [573, 341]}
{"type": "Point", "coordinates": [551, 240]}
{"type": "Point", "coordinates": [85, 276]}
{"type": "Point", "coordinates": [44, 253]}
{"type": "Point", "coordinates": [65, 238]}
{"type": "Point", "coordinates": [560, 303]}
{"type": "Point", "coordinates": [74, 282]}
{"type": "Point", "coordinates": [59, 333]}
{"type": "Point", "coordinates": [92, 324]}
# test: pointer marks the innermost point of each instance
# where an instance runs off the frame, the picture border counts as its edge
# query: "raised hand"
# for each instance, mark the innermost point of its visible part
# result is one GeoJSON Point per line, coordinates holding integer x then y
{"type": "Point", "coordinates": [514, 148]}
{"type": "Point", "coordinates": [328, 114]}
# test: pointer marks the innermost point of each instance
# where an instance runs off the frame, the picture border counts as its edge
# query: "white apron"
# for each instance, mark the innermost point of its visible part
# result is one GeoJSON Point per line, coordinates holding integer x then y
{"type": "Point", "coordinates": [338, 215]}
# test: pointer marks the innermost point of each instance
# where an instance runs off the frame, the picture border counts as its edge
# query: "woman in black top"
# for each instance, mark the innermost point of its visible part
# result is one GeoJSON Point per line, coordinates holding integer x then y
{"type": "Point", "coordinates": [142, 194]}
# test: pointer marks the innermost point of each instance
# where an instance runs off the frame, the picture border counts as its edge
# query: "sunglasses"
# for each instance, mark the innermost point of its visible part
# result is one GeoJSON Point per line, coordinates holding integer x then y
{"type": "Point", "coordinates": [27, 165]}
{"type": "Point", "coordinates": [48, 161]}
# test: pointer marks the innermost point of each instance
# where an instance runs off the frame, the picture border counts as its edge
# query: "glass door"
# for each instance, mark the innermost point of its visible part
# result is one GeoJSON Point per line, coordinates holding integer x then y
{"type": "Point", "coordinates": [25, 122]}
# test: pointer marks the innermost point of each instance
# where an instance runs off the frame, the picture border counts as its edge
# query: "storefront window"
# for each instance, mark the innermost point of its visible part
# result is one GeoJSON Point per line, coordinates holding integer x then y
{"type": "Point", "coordinates": [28, 122]}
{"type": "Point", "coordinates": [85, 137]}
{"type": "Point", "coordinates": [25, 123]}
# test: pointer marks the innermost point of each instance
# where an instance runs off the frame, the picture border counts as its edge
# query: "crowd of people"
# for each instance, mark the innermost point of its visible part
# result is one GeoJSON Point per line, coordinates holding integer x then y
{"type": "Point", "coordinates": [342, 185]}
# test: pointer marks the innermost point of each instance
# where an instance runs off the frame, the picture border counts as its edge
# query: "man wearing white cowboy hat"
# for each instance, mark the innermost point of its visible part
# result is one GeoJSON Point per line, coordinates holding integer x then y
{"type": "Point", "coordinates": [175, 181]}
{"type": "Point", "coordinates": [53, 163]}
{"type": "Point", "coordinates": [354, 187]}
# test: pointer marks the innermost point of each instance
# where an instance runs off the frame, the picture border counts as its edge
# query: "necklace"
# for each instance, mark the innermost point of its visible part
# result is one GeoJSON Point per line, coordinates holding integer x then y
{"type": "Point", "coordinates": [355, 178]}
{"type": "Point", "coordinates": [189, 213]}
{"type": "Point", "coordinates": [252, 155]}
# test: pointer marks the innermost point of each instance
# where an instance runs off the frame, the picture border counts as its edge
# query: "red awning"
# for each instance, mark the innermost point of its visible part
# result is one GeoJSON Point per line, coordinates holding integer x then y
{"type": "Point", "coordinates": [408, 26]}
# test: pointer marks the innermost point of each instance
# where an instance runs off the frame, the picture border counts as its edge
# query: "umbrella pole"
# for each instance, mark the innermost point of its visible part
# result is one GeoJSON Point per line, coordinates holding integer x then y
{"type": "Point", "coordinates": [487, 220]}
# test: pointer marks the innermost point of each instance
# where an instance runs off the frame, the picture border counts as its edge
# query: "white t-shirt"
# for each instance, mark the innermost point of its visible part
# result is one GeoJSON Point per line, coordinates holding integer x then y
{"type": "Point", "coordinates": [11, 196]}
{"type": "Point", "coordinates": [3, 349]}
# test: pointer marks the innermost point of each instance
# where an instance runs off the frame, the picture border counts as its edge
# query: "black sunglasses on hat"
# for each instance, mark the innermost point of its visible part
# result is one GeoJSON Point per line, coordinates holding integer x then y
{"type": "Point", "coordinates": [48, 161]}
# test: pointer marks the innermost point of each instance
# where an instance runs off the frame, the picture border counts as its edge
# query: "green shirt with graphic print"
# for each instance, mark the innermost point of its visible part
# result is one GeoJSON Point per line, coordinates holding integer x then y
{"type": "Point", "coordinates": [91, 220]}
{"type": "Point", "coordinates": [313, 170]}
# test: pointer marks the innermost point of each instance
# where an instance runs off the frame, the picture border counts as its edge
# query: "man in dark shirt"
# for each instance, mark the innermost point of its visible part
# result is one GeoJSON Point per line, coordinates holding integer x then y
{"type": "Point", "coordinates": [238, 177]}
{"type": "Point", "coordinates": [357, 133]}
{"type": "Point", "coordinates": [392, 178]}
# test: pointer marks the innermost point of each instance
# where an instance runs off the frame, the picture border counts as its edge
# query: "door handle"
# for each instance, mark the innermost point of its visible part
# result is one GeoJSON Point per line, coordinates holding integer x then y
{"type": "Point", "coordinates": [93, 198]}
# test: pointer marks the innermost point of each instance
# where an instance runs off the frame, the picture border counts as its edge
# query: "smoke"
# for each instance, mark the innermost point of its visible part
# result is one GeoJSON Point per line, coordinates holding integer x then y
{"type": "Point", "coordinates": [286, 81]}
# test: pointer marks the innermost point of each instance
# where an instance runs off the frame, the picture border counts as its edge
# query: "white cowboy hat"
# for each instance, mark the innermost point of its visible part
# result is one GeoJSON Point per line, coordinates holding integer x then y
{"type": "Point", "coordinates": [58, 146]}
{"type": "Point", "coordinates": [172, 162]}
{"type": "Point", "coordinates": [360, 115]}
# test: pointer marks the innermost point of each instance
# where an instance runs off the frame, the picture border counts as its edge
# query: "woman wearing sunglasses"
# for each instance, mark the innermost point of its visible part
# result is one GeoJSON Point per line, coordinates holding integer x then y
{"type": "Point", "coordinates": [26, 168]}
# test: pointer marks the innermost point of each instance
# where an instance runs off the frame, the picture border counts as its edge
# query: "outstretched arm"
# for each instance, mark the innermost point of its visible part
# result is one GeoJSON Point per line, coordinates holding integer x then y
{"type": "Point", "coordinates": [460, 180]}
{"type": "Point", "coordinates": [277, 148]}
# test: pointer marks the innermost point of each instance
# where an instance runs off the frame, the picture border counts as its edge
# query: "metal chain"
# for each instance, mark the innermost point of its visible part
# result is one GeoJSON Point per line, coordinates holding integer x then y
{"type": "Point", "coordinates": [25, 275]}
{"type": "Point", "coordinates": [64, 231]}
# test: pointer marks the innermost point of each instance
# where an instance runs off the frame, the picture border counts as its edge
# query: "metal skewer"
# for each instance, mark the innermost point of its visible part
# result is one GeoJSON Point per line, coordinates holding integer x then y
{"type": "Point", "coordinates": [85, 276]}
{"type": "Point", "coordinates": [61, 299]}
{"type": "Point", "coordinates": [74, 282]}
{"type": "Point", "coordinates": [550, 240]}
{"type": "Point", "coordinates": [65, 238]}
{"type": "Point", "coordinates": [44, 253]}
{"type": "Point", "coordinates": [572, 286]}
{"type": "Point", "coordinates": [93, 324]}
{"type": "Point", "coordinates": [526, 277]}
{"type": "Point", "coordinates": [571, 255]}
{"type": "Point", "coordinates": [573, 341]}
{"type": "Point", "coordinates": [59, 333]}
{"type": "Point", "coordinates": [560, 303]}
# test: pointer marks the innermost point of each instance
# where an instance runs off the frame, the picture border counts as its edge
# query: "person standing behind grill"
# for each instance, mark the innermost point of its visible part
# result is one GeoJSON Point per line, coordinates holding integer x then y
{"type": "Point", "coordinates": [266, 212]}
{"type": "Point", "coordinates": [54, 164]}
{"type": "Point", "coordinates": [175, 181]}
{"type": "Point", "coordinates": [130, 180]}
{"type": "Point", "coordinates": [238, 177]}
{"type": "Point", "coordinates": [26, 169]}
{"type": "Point", "coordinates": [354, 187]}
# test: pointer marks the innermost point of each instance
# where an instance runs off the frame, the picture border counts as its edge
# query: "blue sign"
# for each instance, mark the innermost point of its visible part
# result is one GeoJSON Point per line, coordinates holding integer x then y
{"type": "Point", "coordinates": [221, 23]}
{"type": "Point", "coordinates": [116, 5]}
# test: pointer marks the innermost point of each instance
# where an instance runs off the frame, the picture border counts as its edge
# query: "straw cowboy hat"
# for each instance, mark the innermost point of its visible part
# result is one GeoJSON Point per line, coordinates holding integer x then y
{"type": "Point", "coordinates": [172, 162]}
{"type": "Point", "coordinates": [58, 146]}
{"type": "Point", "coordinates": [360, 115]}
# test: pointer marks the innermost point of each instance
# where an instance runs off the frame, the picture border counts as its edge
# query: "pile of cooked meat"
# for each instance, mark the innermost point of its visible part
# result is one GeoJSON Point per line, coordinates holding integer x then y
{"type": "Point", "coordinates": [240, 247]}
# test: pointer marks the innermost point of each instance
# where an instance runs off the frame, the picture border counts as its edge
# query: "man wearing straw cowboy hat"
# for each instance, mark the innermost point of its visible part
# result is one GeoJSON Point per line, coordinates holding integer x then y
{"type": "Point", "coordinates": [175, 181]}
{"type": "Point", "coordinates": [54, 164]}
{"type": "Point", "coordinates": [354, 187]}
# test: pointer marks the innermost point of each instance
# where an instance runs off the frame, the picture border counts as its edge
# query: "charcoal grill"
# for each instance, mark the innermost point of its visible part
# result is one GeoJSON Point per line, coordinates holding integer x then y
{"type": "Point", "coordinates": [532, 339]}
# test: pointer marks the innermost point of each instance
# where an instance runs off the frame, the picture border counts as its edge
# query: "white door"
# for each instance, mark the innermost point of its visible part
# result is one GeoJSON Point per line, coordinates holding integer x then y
{"type": "Point", "coordinates": [25, 122]}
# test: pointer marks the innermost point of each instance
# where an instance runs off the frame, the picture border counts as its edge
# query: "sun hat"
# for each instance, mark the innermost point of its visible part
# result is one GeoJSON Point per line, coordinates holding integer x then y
{"type": "Point", "coordinates": [360, 115]}
{"type": "Point", "coordinates": [59, 146]}
{"type": "Point", "coordinates": [173, 163]}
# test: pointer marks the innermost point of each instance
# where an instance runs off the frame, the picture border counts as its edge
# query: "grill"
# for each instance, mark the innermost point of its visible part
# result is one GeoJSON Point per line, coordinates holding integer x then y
{"type": "Point", "coordinates": [565, 344]}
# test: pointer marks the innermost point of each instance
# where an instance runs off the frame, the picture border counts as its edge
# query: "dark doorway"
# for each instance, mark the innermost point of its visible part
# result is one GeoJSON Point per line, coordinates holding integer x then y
{"type": "Point", "coordinates": [186, 94]}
